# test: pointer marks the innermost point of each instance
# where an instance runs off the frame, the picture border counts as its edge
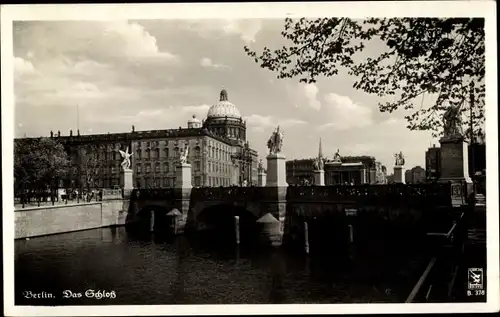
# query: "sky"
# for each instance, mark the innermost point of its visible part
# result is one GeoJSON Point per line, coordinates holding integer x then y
{"type": "Point", "coordinates": [156, 74]}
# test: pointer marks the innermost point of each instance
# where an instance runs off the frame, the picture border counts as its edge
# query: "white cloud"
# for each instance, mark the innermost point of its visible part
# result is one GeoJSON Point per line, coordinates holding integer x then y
{"type": "Point", "coordinates": [133, 40]}
{"type": "Point", "coordinates": [260, 123]}
{"type": "Point", "coordinates": [344, 113]}
{"type": "Point", "coordinates": [246, 30]}
{"type": "Point", "coordinates": [208, 63]}
{"type": "Point", "coordinates": [22, 66]}
{"type": "Point", "coordinates": [311, 92]}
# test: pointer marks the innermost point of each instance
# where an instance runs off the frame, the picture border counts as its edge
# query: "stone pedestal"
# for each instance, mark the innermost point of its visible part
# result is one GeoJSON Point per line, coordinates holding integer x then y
{"type": "Point", "coordinates": [454, 160]}
{"type": "Point", "coordinates": [276, 171]}
{"type": "Point", "coordinates": [399, 174]}
{"type": "Point", "coordinates": [128, 187]}
{"type": "Point", "coordinates": [127, 181]}
{"type": "Point", "coordinates": [261, 179]}
{"type": "Point", "coordinates": [455, 168]}
{"type": "Point", "coordinates": [183, 176]}
{"type": "Point", "coordinates": [319, 177]}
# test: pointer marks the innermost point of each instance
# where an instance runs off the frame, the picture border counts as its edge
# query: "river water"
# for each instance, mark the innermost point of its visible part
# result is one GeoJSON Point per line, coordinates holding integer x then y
{"type": "Point", "coordinates": [147, 270]}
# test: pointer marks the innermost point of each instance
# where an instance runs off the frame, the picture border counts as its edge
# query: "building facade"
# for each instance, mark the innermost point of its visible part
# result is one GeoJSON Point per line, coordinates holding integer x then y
{"type": "Point", "coordinates": [338, 171]}
{"type": "Point", "coordinates": [416, 175]}
{"type": "Point", "coordinates": [218, 153]}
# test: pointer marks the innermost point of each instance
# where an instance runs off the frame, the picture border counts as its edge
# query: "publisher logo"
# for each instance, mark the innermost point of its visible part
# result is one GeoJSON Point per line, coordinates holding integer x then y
{"type": "Point", "coordinates": [475, 278]}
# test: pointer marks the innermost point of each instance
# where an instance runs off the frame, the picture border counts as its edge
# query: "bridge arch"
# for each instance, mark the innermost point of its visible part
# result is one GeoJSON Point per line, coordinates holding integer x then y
{"type": "Point", "coordinates": [217, 222]}
{"type": "Point", "coordinates": [153, 216]}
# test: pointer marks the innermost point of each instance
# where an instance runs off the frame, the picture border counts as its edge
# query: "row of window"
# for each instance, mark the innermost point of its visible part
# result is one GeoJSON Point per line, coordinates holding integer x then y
{"type": "Point", "coordinates": [166, 167]}
{"type": "Point", "coordinates": [149, 182]}
{"type": "Point", "coordinates": [155, 153]}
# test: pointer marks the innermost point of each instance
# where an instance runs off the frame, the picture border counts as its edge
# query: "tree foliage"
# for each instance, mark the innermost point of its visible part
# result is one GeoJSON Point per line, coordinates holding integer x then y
{"type": "Point", "coordinates": [423, 56]}
{"type": "Point", "coordinates": [39, 162]}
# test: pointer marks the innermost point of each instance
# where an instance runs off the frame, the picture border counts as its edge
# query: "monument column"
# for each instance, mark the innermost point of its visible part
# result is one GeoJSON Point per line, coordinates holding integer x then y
{"type": "Point", "coordinates": [127, 186]}
{"type": "Point", "coordinates": [183, 187]}
{"type": "Point", "coordinates": [455, 167]}
{"type": "Point", "coordinates": [399, 174]}
{"type": "Point", "coordinates": [272, 221]}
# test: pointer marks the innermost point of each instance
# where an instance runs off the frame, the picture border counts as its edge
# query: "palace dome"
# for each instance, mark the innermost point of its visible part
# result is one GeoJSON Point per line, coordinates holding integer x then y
{"type": "Point", "coordinates": [224, 108]}
{"type": "Point", "coordinates": [194, 122]}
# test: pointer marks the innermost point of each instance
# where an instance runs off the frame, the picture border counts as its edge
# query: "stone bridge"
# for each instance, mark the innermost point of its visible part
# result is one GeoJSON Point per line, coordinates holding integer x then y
{"type": "Point", "coordinates": [291, 206]}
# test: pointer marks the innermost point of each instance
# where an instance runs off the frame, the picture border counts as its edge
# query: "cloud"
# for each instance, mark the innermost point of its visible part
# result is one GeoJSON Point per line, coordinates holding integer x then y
{"type": "Point", "coordinates": [260, 123]}
{"type": "Point", "coordinates": [246, 30]}
{"type": "Point", "coordinates": [311, 92]}
{"type": "Point", "coordinates": [22, 66]}
{"type": "Point", "coordinates": [208, 63]}
{"type": "Point", "coordinates": [344, 113]}
{"type": "Point", "coordinates": [133, 41]}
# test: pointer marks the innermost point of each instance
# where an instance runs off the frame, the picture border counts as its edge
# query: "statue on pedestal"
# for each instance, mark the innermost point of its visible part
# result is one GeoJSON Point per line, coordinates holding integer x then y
{"type": "Point", "coordinates": [336, 157]}
{"type": "Point", "coordinates": [275, 142]}
{"type": "Point", "coordinates": [318, 164]}
{"type": "Point", "coordinates": [126, 159]}
{"type": "Point", "coordinates": [400, 160]}
{"type": "Point", "coordinates": [184, 155]}
{"type": "Point", "coordinates": [452, 122]}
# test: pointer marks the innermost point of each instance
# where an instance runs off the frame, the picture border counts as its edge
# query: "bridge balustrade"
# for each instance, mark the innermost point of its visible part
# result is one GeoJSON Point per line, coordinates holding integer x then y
{"type": "Point", "coordinates": [227, 193]}
{"type": "Point", "coordinates": [436, 194]}
{"type": "Point", "coordinates": [153, 194]}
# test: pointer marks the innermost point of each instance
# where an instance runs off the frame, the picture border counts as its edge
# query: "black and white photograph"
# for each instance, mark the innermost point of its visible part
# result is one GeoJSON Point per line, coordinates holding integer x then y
{"type": "Point", "coordinates": [174, 155]}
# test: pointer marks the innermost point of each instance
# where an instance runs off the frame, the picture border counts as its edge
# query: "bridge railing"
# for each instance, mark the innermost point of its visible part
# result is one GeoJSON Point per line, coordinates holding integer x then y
{"type": "Point", "coordinates": [153, 194]}
{"type": "Point", "coordinates": [436, 194]}
{"type": "Point", "coordinates": [228, 193]}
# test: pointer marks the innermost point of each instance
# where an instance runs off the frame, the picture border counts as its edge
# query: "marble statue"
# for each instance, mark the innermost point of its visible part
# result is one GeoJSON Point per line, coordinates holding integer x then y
{"type": "Point", "coordinates": [400, 160]}
{"type": "Point", "coordinates": [452, 122]}
{"type": "Point", "coordinates": [184, 155]}
{"type": "Point", "coordinates": [275, 142]}
{"type": "Point", "coordinates": [318, 164]}
{"type": "Point", "coordinates": [336, 157]}
{"type": "Point", "coordinates": [126, 159]}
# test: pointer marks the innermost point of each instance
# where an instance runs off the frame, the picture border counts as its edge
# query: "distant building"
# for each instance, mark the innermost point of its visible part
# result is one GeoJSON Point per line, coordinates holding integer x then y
{"type": "Point", "coordinates": [432, 163]}
{"type": "Point", "coordinates": [218, 152]}
{"type": "Point", "coordinates": [415, 175]}
{"type": "Point", "coordinates": [390, 178]}
{"type": "Point", "coordinates": [338, 171]}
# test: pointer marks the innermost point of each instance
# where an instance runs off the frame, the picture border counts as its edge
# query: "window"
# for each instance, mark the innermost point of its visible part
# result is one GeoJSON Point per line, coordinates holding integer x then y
{"type": "Point", "coordinates": [197, 151]}
{"type": "Point", "coordinates": [148, 154]}
{"type": "Point", "coordinates": [165, 167]}
{"type": "Point", "coordinates": [138, 182]}
{"type": "Point", "coordinates": [197, 166]}
{"type": "Point", "coordinates": [139, 168]}
{"type": "Point", "coordinates": [138, 154]}
{"type": "Point", "coordinates": [156, 153]}
{"type": "Point", "coordinates": [157, 167]}
{"type": "Point", "coordinates": [165, 182]}
{"type": "Point", "coordinates": [166, 152]}
{"type": "Point", "coordinates": [148, 168]}
{"type": "Point", "coordinates": [197, 181]}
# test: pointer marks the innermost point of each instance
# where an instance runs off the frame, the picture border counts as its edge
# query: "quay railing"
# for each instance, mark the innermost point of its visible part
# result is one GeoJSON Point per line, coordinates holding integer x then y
{"type": "Point", "coordinates": [56, 199]}
{"type": "Point", "coordinates": [437, 282]}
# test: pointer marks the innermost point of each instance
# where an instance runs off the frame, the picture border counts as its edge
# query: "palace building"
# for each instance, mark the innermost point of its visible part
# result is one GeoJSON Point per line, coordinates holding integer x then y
{"type": "Point", "coordinates": [218, 152]}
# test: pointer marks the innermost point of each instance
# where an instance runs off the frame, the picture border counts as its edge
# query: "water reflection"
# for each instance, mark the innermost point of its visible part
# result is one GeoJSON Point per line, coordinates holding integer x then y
{"type": "Point", "coordinates": [156, 269]}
